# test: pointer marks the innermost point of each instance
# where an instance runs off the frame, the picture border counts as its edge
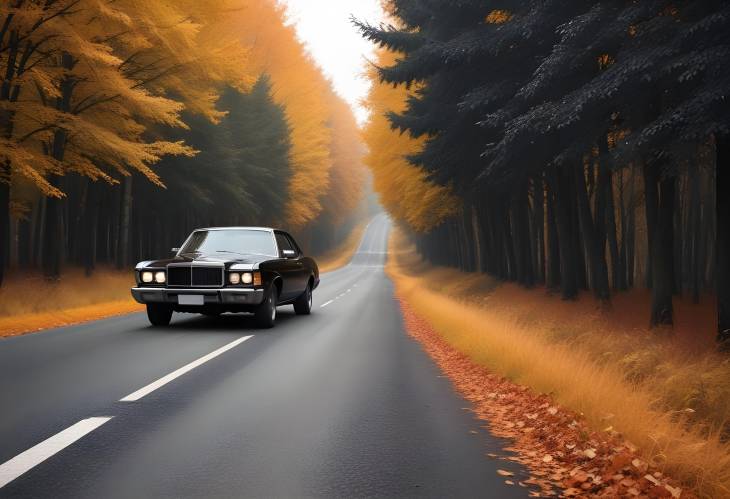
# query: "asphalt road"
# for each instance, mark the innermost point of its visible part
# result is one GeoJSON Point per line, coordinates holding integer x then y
{"type": "Point", "coordinates": [341, 403]}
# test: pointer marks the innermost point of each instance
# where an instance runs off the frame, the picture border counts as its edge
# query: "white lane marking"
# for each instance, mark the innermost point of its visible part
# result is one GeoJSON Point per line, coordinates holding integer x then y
{"type": "Point", "coordinates": [132, 397]}
{"type": "Point", "coordinates": [25, 461]}
{"type": "Point", "coordinates": [326, 303]}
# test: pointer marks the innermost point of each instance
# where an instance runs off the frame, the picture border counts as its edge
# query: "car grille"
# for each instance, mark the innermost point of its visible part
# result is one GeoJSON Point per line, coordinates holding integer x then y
{"type": "Point", "coordinates": [207, 276]}
{"type": "Point", "coordinates": [194, 276]}
{"type": "Point", "coordinates": [178, 276]}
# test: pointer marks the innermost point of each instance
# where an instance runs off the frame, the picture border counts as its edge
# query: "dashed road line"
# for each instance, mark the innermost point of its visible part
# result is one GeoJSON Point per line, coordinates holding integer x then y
{"type": "Point", "coordinates": [132, 397]}
{"type": "Point", "coordinates": [25, 461]}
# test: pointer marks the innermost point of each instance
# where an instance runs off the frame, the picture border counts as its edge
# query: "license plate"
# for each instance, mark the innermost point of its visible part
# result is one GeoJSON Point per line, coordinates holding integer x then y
{"type": "Point", "coordinates": [190, 299]}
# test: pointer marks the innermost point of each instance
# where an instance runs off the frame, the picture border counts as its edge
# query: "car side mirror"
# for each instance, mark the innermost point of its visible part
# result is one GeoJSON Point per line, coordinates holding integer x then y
{"type": "Point", "coordinates": [175, 250]}
{"type": "Point", "coordinates": [289, 253]}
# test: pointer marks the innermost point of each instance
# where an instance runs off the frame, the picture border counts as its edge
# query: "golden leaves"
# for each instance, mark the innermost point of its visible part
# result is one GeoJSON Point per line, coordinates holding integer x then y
{"type": "Point", "coordinates": [558, 449]}
{"type": "Point", "coordinates": [605, 60]}
{"type": "Point", "coordinates": [498, 17]}
{"type": "Point", "coordinates": [404, 189]}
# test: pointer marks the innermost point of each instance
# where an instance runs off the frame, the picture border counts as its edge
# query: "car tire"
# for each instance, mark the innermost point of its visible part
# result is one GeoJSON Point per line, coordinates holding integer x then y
{"type": "Point", "coordinates": [265, 314]}
{"type": "Point", "coordinates": [159, 314]}
{"type": "Point", "coordinates": [303, 304]}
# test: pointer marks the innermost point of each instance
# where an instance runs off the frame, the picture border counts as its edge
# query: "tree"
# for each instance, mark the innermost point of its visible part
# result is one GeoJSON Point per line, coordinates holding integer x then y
{"type": "Point", "coordinates": [541, 114]}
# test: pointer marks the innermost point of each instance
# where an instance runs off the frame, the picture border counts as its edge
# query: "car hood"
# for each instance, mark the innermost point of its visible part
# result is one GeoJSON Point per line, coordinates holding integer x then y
{"type": "Point", "coordinates": [227, 259]}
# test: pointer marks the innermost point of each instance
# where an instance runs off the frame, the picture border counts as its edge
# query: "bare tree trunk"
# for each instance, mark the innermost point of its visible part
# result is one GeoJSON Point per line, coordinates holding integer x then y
{"type": "Point", "coordinates": [594, 250]}
{"type": "Point", "coordinates": [568, 257]}
{"type": "Point", "coordinates": [552, 262]}
{"type": "Point", "coordinates": [123, 251]}
{"type": "Point", "coordinates": [660, 228]}
{"type": "Point", "coordinates": [722, 241]}
{"type": "Point", "coordinates": [4, 218]}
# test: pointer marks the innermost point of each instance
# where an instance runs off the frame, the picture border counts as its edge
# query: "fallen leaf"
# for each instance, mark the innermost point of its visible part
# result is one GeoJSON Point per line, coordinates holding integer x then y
{"type": "Point", "coordinates": [640, 465]}
{"type": "Point", "coordinates": [675, 491]}
{"type": "Point", "coordinates": [589, 453]}
{"type": "Point", "coordinates": [547, 459]}
{"type": "Point", "coordinates": [505, 473]}
{"type": "Point", "coordinates": [652, 479]}
{"type": "Point", "coordinates": [509, 482]}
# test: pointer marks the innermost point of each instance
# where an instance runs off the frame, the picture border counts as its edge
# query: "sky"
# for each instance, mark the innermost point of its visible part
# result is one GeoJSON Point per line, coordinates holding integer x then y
{"type": "Point", "coordinates": [324, 26]}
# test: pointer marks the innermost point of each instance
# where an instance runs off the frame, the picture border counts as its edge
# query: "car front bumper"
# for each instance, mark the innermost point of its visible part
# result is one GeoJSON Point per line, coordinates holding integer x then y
{"type": "Point", "coordinates": [211, 296]}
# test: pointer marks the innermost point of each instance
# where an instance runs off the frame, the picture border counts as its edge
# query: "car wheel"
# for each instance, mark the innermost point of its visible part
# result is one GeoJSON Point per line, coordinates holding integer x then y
{"type": "Point", "coordinates": [266, 312]}
{"type": "Point", "coordinates": [303, 305]}
{"type": "Point", "coordinates": [159, 314]}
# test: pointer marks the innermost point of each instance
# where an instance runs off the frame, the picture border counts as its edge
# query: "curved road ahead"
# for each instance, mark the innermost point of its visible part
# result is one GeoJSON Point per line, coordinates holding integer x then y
{"type": "Point", "coordinates": [338, 404]}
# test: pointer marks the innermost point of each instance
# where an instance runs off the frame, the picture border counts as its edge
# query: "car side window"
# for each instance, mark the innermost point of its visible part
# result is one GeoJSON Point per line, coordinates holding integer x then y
{"type": "Point", "coordinates": [283, 243]}
{"type": "Point", "coordinates": [294, 244]}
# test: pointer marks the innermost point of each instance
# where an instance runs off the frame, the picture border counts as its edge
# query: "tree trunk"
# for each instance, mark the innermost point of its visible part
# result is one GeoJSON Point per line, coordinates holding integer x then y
{"type": "Point", "coordinates": [552, 262]}
{"type": "Point", "coordinates": [54, 230]}
{"type": "Point", "coordinates": [722, 242]}
{"type": "Point", "coordinates": [660, 210]}
{"type": "Point", "coordinates": [617, 266]}
{"type": "Point", "coordinates": [630, 234]}
{"type": "Point", "coordinates": [568, 257]}
{"type": "Point", "coordinates": [91, 226]}
{"type": "Point", "coordinates": [595, 251]}
{"type": "Point", "coordinates": [4, 218]}
{"type": "Point", "coordinates": [476, 231]}
{"type": "Point", "coordinates": [539, 228]}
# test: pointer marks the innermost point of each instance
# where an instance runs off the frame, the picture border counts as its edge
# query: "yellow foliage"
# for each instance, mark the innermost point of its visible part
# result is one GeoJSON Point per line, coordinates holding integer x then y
{"type": "Point", "coordinates": [300, 87]}
{"type": "Point", "coordinates": [102, 72]}
{"type": "Point", "coordinates": [404, 190]}
{"type": "Point", "coordinates": [498, 17]}
{"type": "Point", "coordinates": [347, 174]}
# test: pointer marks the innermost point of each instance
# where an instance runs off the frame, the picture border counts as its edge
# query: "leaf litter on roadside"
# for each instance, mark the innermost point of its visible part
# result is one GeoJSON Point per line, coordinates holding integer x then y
{"type": "Point", "coordinates": [564, 456]}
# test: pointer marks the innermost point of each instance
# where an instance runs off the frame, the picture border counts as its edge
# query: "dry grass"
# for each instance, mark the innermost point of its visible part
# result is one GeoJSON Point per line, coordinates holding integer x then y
{"type": "Point", "coordinates": [342, 254]}
{"type": "Point", "coordinates": [667, 393]}
{"type": "Point", "coordinates": [29, 303]}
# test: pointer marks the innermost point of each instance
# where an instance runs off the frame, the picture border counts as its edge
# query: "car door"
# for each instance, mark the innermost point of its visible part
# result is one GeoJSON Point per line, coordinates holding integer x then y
{"type": "Point", "coordinates": [288, 268]}
{"type": "Point", "coordinates": [303, 271]}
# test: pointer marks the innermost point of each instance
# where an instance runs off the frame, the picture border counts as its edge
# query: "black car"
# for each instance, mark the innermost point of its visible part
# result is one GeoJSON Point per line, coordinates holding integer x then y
{"type": "Point", "coordinates": [228, 269]}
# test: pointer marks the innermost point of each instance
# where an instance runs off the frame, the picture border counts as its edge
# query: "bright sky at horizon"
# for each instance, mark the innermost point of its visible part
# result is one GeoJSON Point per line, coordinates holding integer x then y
{"type": "Point", "coordinates": [325, 27]}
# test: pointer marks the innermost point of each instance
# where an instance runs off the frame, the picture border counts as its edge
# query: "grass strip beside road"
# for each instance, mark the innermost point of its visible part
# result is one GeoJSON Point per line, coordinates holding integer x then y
{"type": "Point", "coordinates": [28, 303]}
{"type": "Point", "coordinates": [640, 384]}
{"type": "Point", "coordinates": [17, 325]}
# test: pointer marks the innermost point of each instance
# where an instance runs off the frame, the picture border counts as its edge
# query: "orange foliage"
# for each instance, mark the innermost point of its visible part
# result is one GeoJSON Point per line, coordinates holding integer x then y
{"type": "Point", "coordinates": [347, 175]}
{"type": "Point", "coordinates": [300, 87]}
{"type": "Point", "coordinates": [498, 17]}
{"type": "Point", "coordinates": [405, 190]}
{"type": "Point", "coordinates": [665, 391]}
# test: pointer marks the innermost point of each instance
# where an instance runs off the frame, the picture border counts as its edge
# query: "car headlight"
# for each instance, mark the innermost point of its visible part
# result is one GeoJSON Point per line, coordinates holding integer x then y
{"type": "Point", "coordinates": [147, 276]}
{"type": "Point", "coordinates": [234, 278]}
{"type": "Point", "coordinates": [247, 277]}
{"type": "Point", "coordinates": [160, 277]}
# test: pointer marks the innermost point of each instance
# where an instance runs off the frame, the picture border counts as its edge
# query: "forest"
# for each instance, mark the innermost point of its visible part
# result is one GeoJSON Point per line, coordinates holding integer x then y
{"type": "Point", "coordinates": [566, 144]}
{"type": "Point", "coordinates": [126, 124]}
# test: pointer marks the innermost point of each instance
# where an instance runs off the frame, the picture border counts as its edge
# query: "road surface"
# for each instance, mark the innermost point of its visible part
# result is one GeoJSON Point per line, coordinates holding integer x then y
{"type": "Point", "coordinates": [338, 404]}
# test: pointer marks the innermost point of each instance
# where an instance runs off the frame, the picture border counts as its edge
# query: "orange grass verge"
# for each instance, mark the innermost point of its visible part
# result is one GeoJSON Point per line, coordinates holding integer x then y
{"type": "Point", "coordinates": [670, 402]}
{"type": "Point", "coordinates": [553, 443]}
{"type": "Point", "coordinates": [28, 303]}
{"type": "Point", "coordinates": [342, 254]}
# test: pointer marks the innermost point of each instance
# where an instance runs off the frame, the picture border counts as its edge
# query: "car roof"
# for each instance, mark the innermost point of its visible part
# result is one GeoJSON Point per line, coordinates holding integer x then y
{"type": "Point", "coordinates": [267, 229]}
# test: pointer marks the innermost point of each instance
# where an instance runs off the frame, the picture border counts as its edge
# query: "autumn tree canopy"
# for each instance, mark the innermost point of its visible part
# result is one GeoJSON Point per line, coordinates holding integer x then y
{"type": "Point", "coordinates": [210, 112]}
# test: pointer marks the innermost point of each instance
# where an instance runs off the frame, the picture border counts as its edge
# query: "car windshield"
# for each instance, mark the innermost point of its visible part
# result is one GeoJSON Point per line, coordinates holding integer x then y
{"type": "Point", "coordinates": [235, 241]}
